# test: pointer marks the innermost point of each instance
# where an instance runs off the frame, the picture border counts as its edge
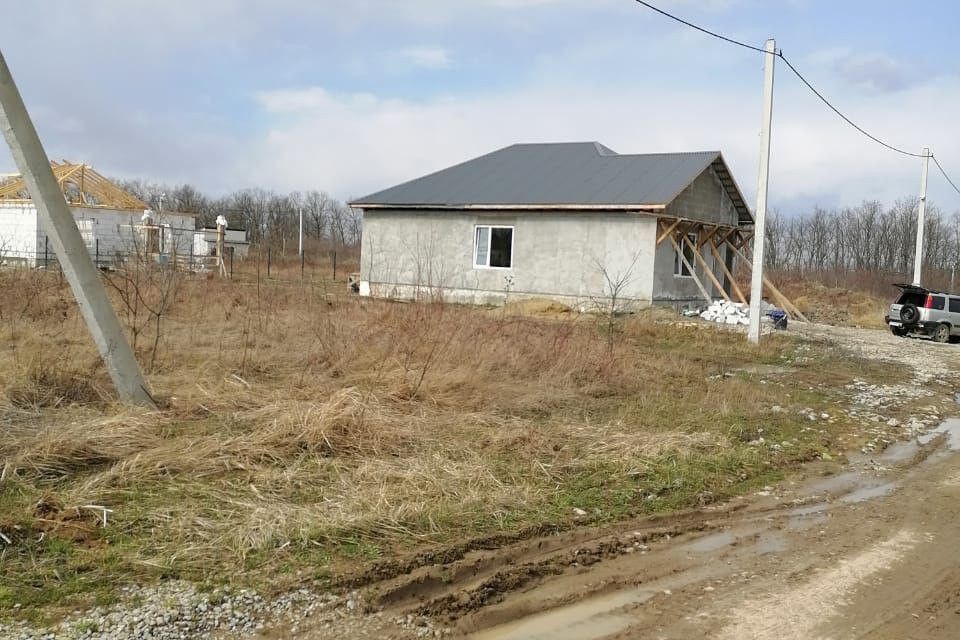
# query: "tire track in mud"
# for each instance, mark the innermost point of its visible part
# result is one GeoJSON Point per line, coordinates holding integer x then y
{"type": "Point", "coordinates": [750, 542]}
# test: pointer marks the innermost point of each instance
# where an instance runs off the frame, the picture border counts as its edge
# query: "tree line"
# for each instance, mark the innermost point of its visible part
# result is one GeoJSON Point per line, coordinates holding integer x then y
{"type": "Point", "coordinates": [270, 218]}
{"type": "Point", "coordinates": [866, 239]}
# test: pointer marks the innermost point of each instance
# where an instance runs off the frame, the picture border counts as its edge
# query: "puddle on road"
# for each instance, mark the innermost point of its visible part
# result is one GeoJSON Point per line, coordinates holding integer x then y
{"type": "Point", "coordinates": [712, 542]}
{"type": "Point", "coordinates": [806, 517]}
{"type": "Point", "coordinates": [593, 618]}
{"type": "Point", "coordinates": [596, 617]}
{"type": "Point", "coordinates": [836, 485]}
{"type": "Point", "coordinates": [852, 487]}
{"type": "Point", "coordinates": [950, 428]}
{"type": "Point", "coordinates": [869, 493]}
{"type": "Point", "coordinates": [771, 543]}
{"type": "Point", "coordinates": [899, 452]}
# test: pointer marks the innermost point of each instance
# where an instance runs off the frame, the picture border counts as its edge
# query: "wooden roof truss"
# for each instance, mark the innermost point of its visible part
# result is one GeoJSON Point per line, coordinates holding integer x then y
{"type": "Point", "coordinates": [81, 186]}
{"type": "Point", "coordinates": [715, 237]}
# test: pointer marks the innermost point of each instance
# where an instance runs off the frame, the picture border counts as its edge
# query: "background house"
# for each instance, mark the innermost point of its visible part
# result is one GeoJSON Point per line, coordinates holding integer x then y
{"type": "Point", "coordinates": [575, 222]}
{"type": "Point", "coordinates": [234, 240]}
{"type": "Point", "coordinates": [110, 219]}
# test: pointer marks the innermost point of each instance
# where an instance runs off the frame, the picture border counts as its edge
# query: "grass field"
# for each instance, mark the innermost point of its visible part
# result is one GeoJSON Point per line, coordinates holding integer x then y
{"type": "Point", "coordinates": [305, 433]}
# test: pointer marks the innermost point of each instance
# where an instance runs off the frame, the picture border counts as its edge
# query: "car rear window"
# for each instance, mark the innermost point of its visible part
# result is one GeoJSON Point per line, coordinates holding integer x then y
{"type": "Point", "coordinates": [937, 302]}
{"type": "Point", "coordinates": [912, 297]}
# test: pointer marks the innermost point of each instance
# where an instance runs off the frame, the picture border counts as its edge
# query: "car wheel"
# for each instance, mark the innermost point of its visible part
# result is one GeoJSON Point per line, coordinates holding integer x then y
{"type": "Point", "coordinates": [900, 332]}
{"type": "Point", "coordinates": [909, 313]}
{"type": "Point", "coordinates": [941, 333]}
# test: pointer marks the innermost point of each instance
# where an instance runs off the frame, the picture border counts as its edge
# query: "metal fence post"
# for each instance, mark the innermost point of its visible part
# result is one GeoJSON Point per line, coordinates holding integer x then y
{"type": "Point", "coordinates": [334, 265]}
{"type": "Point", "coordinates": [96, 252]}
{"type": "Point", "coordinates": [268, 261]}
{"type": "Point", "coordinates": [231, 262]}
{"type": "Point", "coordinates": [46, 252]}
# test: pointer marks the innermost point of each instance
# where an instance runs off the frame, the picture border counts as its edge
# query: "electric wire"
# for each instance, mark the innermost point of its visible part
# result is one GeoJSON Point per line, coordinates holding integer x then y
{"type": "Point", "coordinates": [839, 113]}
{"type": "Point", "coordinates": [699, 28]}
{"type": "Point", "coordinates": [943, 171]}
{"type": "Point", "coordinates": [780, 55]}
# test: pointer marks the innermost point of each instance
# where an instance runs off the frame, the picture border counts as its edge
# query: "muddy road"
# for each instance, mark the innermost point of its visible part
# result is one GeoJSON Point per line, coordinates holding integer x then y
{"type": "Point", "coordinates": [866, 549]}
{"type": "Point", "coordinates": [868, 553]}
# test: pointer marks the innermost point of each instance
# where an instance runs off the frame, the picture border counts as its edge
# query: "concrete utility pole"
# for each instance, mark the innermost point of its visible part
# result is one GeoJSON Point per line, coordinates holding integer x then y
{"type": "Point", "coordinates": [300, 249]}
{"type": "Point", "coordinates": [68, 245]}
{"type": "Point", "coordinates": [921, 216]}
{"type": "Point", "coordinates": [756, 281]}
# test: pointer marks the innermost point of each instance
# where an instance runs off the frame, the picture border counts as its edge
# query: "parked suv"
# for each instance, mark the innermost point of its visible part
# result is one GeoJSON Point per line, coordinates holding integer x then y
{"type": "Point", "coordinates": [930, 313]}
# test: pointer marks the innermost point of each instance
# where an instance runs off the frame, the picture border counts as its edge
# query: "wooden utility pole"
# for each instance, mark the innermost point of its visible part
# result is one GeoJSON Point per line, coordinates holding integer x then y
{"type": "Point", "coordinates": [68, 245]}
{"type": "Point", "coordinates": [921, 217]}
{"type": "Point", "coordinates": [763, 180]}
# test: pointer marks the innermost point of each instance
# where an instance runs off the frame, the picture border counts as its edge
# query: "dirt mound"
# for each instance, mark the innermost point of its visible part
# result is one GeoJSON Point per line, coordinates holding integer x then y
{"type": "Point", "coordinates": [835, 305]}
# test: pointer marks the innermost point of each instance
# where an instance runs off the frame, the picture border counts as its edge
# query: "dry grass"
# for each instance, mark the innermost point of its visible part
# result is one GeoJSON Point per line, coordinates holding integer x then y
{"type": "Point", "coordinates": [304, 430]}
{"type": "Point", "coordinates": [838, 306]}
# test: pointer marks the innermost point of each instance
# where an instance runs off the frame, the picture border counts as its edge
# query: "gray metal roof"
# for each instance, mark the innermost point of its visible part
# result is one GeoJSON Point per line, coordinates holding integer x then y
{"type": "Point", "coordinates": [560, 174]}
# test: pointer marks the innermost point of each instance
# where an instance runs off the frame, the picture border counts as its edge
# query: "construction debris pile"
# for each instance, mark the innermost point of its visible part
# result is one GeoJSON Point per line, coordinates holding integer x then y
{"type": "Point", "coordinates": [737, 313]}
{"type": "Point", "coordinates": [726, 312]}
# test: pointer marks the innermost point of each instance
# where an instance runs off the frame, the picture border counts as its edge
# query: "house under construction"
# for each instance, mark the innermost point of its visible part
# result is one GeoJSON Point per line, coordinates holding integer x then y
{"type": "Point", "coordinates": [114, 224]}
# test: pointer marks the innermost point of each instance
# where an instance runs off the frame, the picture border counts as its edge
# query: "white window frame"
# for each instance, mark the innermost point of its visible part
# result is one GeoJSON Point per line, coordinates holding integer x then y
{"type": "Point", "coordinates": [491, 227]}
{"type": "Point", "coordinates": [678, 265]}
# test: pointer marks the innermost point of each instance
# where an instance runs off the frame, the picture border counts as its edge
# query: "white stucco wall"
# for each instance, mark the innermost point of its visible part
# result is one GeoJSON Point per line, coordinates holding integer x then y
{"type": "Point", "coordinates": [559, 255]}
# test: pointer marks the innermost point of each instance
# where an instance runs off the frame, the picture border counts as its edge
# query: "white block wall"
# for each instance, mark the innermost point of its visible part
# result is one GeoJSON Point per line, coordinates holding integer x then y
{"type": "Point", "coordinates": [109, 231]}
{"type": "Point", "coordinates": [18, 233]}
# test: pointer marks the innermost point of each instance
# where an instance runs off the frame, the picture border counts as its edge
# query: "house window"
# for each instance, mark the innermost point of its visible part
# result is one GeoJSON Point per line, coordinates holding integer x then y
{"type": "Point", "coordinates": [493, 247]}
{"type": "Point", "coordinates": [679, 268]}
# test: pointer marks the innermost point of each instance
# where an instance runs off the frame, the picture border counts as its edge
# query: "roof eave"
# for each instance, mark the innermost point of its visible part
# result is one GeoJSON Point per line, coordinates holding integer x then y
{"type": "Point", "coordinates": [736, 189]}
{"type": "Point", "coordinates": [514, 207]}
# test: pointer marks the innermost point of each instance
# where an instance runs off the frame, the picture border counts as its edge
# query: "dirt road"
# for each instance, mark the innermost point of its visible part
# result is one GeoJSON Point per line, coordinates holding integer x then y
{"type": "Point", "coordinates": [867, 550]}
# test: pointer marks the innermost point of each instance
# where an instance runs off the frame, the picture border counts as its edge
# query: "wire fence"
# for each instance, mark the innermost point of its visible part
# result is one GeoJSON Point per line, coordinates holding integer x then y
{"type": "Point", "coordinates": [239, 262]}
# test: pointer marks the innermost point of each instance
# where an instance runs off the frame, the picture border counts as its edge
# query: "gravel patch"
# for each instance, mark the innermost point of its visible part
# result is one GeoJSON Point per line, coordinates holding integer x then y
{"type": "Point", "coordinates": [177, 610]}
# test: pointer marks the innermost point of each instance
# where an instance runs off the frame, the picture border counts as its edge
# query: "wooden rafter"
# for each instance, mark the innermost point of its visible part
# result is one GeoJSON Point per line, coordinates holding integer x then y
{"type": "Point", "coordinates": [705, 237]}
{"type": "Point", "coordinates": [726, 236]}
{"type": "Point", "coordinates": [706, 268]}
{"type": "Point", "coordinates": [81, 185]}
{"type": "Point", "coordinates": [726, 272]}
{"type": "Point", "coordinates": [693, 272]}
{"type": "Point", "coordinates": [781, 299]}
{"type": "Point", "coordinates": [669, 229]}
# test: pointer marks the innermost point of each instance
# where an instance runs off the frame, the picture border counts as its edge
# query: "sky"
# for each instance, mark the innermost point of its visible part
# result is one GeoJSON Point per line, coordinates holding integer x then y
{"type": "Point", "coordinates": [354, 96]}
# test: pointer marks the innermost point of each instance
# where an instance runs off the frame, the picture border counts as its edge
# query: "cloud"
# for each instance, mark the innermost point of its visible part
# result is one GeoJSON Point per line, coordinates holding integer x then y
{"type": "Point", "coordinates": [427, 57]}
{"type": "Point", "coordinates": [280, 94]}
{"type": "Point", "coordinates": [355, 143]}
{"type": "Point", "coordinates": [877, 73]}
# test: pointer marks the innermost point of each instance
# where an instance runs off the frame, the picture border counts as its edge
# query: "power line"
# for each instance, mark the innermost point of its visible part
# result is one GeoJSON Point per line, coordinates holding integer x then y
{"type": "Point", "coordinates": [839, 113]}
{"type": "Point", "coordinates": [939, 166]}
{"type": "Point", "coordinates": [780, 55]}
{"type": "Point", "coordinates": [701, 29]}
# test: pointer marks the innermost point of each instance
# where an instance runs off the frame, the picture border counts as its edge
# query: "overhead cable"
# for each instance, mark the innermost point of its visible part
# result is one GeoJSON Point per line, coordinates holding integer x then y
{"type": "Point", "coordinates": [943, 171]}
{"type": "Point", "coordinates": [780, 55]}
